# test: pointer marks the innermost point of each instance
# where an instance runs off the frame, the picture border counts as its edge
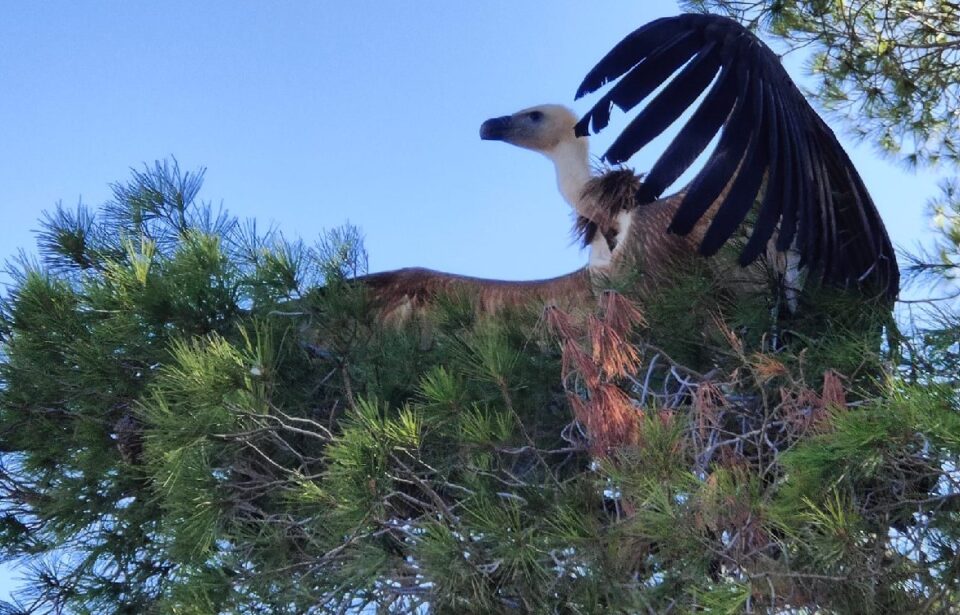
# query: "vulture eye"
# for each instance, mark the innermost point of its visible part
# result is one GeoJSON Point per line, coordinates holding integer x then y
{"type": "Point", "coordinates": [536, 116]}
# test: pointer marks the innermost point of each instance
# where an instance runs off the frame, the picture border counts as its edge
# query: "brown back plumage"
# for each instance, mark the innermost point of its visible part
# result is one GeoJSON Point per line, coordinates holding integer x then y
{"type": "Point", "coordinates": [647, 247]}
{"type": "Point", "coordinates": [404, 293]}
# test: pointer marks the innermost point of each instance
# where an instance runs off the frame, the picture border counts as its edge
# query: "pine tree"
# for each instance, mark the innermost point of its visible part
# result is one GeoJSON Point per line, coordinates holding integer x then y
{"type": "Point", "coordinates": [196, 417]}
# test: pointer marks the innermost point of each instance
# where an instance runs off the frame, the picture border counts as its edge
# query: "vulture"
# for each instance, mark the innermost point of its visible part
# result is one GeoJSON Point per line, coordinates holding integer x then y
{"type": "Point", "coordinates": [776, 186]}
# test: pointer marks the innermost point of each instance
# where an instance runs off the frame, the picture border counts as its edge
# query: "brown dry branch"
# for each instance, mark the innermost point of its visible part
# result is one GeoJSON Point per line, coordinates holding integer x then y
{"type": "Point", "coordinates": [619, 312]}
{"type": "Point", "coordinates": [608, 415]}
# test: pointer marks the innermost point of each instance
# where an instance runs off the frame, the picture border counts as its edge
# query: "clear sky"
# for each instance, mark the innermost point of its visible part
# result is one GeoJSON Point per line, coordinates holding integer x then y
{"type": "Point", "coordinates": [311, 114]}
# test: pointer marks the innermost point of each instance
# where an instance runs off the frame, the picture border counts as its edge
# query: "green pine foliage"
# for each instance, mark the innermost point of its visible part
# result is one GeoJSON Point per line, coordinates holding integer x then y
{"type": "Point", "coordinates": [199, 418]}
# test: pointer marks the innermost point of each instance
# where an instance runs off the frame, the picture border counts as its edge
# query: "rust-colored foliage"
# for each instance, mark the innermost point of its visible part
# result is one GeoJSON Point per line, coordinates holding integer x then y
{"type": "Point", "coordinates": [808, 410]}
{"type": "Point", "coordinates": [833, 392]}
{"type": "Point", "coordinates": [560, 324]}
{"type": "Point", "coordinates": [599, 356]}
{"type": "Point", "coordinates": [611, 353]}
{"type": "Point", "coordinates": [767, 368]}
{"type": "Point", "coordinates": [619, 312]}
{"type": "Point", "coordinates": [707, 403]}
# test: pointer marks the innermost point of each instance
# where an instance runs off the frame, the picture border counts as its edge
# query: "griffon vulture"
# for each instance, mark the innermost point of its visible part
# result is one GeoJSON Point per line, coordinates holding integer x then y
{"type": "Point", "coordinates": [777, 174]}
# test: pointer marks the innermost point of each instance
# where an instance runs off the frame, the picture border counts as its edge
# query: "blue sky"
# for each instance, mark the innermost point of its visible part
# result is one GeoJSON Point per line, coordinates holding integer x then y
{"type": "Point", "coordinates": [311, 114]}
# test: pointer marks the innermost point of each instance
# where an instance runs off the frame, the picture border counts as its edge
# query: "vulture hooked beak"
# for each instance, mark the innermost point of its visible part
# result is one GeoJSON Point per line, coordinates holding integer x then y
{"type": "Point", "coordinates": [497, 128]}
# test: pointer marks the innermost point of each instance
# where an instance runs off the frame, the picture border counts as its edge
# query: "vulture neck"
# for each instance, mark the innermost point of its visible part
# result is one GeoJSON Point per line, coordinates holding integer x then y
{"type": "Point", "coordinates": [571, 158]}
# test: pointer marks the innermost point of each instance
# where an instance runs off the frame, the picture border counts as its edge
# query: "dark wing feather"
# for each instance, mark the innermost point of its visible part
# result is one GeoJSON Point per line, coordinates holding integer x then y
{"type": "Point", "coordinates": [644, 78]}
{"type": "Point", "coordinates": [667, 106]}
{"type": "Point", "coordinates": [715, 175]}
{"type": "Point", "coordinates": [747, 182]}
{"type": "Point", "coordinates": [692, 139]}
{"type": "Point", "coordinates": [631, 51]}
{"type": "Point", "coordinates": [795, 178]}
{"type": "Point", "coordinates": [774, 196]}
{"type": "Point", "coordinates": [772, 147]}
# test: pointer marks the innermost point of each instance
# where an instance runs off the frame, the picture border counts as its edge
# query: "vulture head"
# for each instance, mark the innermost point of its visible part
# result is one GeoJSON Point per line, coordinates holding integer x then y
{"type": "Point", "coordinates": [543, 128]}
{"type": "Point", "coordinates": [550, 130]}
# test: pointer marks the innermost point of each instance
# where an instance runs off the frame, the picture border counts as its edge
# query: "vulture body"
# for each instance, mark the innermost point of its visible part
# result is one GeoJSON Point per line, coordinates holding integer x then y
{"type": "Point", "coordinates": [777, 178]}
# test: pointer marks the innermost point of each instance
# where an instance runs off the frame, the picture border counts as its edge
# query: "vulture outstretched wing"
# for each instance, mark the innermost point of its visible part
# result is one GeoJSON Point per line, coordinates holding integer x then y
{"type": "Point", "coordinates": [780, 150]}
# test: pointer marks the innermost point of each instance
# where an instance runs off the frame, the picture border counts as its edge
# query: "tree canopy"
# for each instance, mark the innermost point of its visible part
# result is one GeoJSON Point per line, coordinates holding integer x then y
{"type": "Point", "coordinates": [196, 417]}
